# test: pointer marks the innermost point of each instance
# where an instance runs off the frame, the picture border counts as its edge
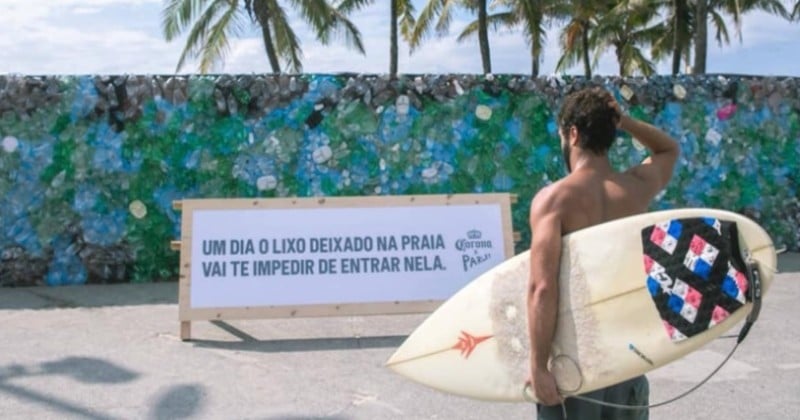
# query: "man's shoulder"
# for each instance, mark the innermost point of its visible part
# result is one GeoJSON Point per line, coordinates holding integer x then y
{"type": "Point", "coordinates": [555, 196]}
{"type": "Point", "coordinates": [563, 189]}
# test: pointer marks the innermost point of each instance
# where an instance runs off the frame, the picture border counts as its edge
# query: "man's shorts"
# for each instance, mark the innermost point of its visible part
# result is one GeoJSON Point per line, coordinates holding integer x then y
{"type": "Point", "coordinates": [635, 391]}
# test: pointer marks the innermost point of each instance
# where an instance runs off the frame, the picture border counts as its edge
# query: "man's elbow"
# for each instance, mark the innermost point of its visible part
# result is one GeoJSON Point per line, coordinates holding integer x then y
{"type": "Point", "coordinates": [541, 291]}
{"type": "Point", "coordinates": [676, 148]}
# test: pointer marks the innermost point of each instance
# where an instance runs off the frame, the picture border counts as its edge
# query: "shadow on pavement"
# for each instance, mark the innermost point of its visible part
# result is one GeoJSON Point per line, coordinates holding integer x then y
{"type": "Point", "coordinates": [305, 344]}
{"type": "Point", "coordinates": [88, 296]}
{"type": "Point", "coordinates": [789, 262]}
{"type": "Point", "coordinates": [86, 370]}
{"type": "Point", "coordinates": [249, 343]}
{"type": "Point", "coordinates": [179, 402]}
{"type": "Point", "coordinates": [296, 417]}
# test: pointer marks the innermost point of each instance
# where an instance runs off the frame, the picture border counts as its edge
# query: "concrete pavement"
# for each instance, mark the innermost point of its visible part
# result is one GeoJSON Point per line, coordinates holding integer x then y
{"type": "Point", "coordinates": [112, 352]}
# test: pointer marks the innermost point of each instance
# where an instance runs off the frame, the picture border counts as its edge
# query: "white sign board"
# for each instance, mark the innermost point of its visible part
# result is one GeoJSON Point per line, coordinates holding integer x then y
{"type": "Point", "coordinates": [325, 253]}
{"type": "Point", "coordinates": [340, 255]}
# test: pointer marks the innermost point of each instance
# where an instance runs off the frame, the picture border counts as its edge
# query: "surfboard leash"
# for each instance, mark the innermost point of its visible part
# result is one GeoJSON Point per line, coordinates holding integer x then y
{"type": "Point", "coordinates": [755, 295]}
{"type": "Point", "coordinates": [640, 407]}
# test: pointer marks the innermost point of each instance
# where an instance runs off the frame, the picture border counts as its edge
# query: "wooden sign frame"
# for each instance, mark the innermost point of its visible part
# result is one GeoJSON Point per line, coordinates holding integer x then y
{"type": "Point", "coordinates": [187, 313]}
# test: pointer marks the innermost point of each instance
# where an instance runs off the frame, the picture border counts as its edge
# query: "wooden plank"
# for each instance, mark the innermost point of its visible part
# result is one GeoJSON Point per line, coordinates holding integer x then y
{"type": "Point", "coordinates": [177, 205]}
{"type": "Point", "coordinates": [184, 273]}
{"type": "Point", "coordinates": [186, 330]}
{"type": "Point", "coordinates": [507, 225]}
{"type": "Point", "coordinates": [175, 245]}
{"type": "Point", "coordinates": [303, 311]}
{"type": "Point", "coordinates": [517, 236]}
{"type": "Point", "coordinates": [344, 202]}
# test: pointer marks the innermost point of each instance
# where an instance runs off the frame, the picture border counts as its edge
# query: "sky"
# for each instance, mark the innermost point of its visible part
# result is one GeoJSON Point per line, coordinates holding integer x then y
{"type": "Point", "coordinates": [39, 37]}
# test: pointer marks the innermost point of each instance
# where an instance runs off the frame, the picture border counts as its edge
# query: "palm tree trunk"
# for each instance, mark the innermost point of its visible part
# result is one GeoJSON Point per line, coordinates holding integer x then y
{"type": "Point", "coordinates": [483, 37]}
{"type": "Point", "coordinates": [587, 65]}
{"type": "Point", "coordinates": [393, 44]}
{"type": "Point", "coordinates": [262, 12]}
{"type": "Point", "coordinates": [701, 37]}
{"type": "Point", "coordinates": [679, 8]}
{"type": "Point", "coordinates": [536, 51]}
{"type": "Point", "coordinates": [534, 60]}
{"type": "Point", "coordinates": [676, 60]}
{"type": "Point", "coordinates": [687, 57]}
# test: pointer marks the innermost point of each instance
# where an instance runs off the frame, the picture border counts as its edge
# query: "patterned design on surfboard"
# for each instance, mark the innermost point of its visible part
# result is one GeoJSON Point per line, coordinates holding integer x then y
{"type": "Point", "coordinates": [694, 273]}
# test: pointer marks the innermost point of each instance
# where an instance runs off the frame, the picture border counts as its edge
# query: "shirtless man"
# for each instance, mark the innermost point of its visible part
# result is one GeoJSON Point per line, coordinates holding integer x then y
{"type": "Point", "coordinates": [592, 193]}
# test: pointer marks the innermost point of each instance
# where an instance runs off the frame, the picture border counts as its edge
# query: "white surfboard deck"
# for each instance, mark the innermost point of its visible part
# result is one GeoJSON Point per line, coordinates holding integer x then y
{"type": "Point", "coordinates": [609, 330]}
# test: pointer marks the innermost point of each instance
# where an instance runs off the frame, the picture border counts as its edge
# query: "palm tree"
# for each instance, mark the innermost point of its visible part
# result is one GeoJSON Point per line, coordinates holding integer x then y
{"type": "Point", "coordinates": [443, 9]}
{"type": "Point", "coordinates": [713, 9]}
{"type": "Point", "coordinates": [402, 15]}
{"type": "Point", "coordinates": [676, 36]}
{"type": "Point", "coordinates": [211, 24]}
{"type": "Point", "coordinates": [532, 16]}
{"type": "Point", "coordinates": [575, 36]}
{"type": "Point", "coordinates": [627, 27]}
{"type": "Point", "coordinates": [796, 11]}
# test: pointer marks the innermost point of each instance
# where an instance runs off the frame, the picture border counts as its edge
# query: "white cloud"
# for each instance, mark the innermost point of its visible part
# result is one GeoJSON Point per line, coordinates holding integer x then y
{"type": "Point", "coordinates": [83, 10]}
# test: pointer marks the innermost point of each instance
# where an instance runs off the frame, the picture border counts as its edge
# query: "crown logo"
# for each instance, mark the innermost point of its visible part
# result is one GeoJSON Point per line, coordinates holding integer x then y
{"type": "Point", "coordinates": [474, 234]}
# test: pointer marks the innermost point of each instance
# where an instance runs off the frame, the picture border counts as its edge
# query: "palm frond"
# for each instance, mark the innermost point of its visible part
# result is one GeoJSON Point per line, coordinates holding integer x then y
{"type": "Point", "coordinates": [492, 21]}
{"type": "Point", "coordinates": [198, 35]}
{"type": "Point", "coordinates": [423, 23]}
{"type": "Point", "coordinates": [570, 47]}
{"type": "Point", "coordinates": [407, 20]}
{"type": "Point", "coordinates": [532, 17]}
{"type": "Point", "coordinates": [599, 50]}
{"type": "Point", "coordinates": [217, 45]}
{"type": "Point", "coordinates": [342, 27]}
{"type": "Point", "coordinates": [178, 14]}
{"type": "Point", "coordinates": [349, 6]}
{"type": "Point", "coordinates": [469, 30]}
{"type": "Point", "coordinates": [635, 60]}
{"type": "Point", "coordinates": [648, 35]}
{"type": "Point", "coordinates": [663, 46]}
{"type": "Point", "coordinates": [287, 45]}
{"type": "Point", "coordinates": [445, 17]}
{"type": "Point", "coordinates": [722, 30]}
{"type": "Point", "coordinates": [568, 59]}
{"type": "Point", "coordinates": [316, 14]}
{"type": "Point", "coordinates": [774, 7]}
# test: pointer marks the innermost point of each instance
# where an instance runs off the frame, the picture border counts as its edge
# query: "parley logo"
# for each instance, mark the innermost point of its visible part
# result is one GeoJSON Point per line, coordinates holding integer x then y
{"type": "Point", "coordinates": [475, 250]}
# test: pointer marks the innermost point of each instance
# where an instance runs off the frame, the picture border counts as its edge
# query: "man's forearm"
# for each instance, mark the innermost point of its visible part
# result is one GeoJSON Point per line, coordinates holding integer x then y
{"type": "Point", "coordinates": [543, 311]}
{"type": "Point", "coordinates": [650, 136]}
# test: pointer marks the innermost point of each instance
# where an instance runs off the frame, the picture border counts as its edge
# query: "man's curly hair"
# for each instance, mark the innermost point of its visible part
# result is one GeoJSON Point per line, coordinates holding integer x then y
{"type": "Point", "coordinates": [589, 110]}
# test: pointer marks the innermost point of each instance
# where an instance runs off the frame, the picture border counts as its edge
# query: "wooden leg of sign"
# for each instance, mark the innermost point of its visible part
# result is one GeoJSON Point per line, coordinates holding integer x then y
{"type": "Point", "coordinates": [186, 330]}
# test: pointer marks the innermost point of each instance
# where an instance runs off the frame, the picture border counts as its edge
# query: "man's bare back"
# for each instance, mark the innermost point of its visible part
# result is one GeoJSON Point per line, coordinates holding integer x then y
{"type": "Point", "coordinates": [593, 196]}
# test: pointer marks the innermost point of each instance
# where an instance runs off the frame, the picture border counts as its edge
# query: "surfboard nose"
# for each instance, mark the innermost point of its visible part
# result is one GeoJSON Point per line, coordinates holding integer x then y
{"type": "Point", "coordinates": [394, 359]}
{"type": "Point", "coordinates": [410, 351]}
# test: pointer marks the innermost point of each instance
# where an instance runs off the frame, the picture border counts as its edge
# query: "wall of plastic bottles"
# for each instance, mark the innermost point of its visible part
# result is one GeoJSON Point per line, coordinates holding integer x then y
{"type": "Point", "coordinates": [90, 165]}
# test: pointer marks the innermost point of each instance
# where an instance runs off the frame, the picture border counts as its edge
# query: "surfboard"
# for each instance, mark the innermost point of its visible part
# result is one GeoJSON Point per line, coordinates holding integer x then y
{"type": "Point", "coordinates": [634, 294]}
